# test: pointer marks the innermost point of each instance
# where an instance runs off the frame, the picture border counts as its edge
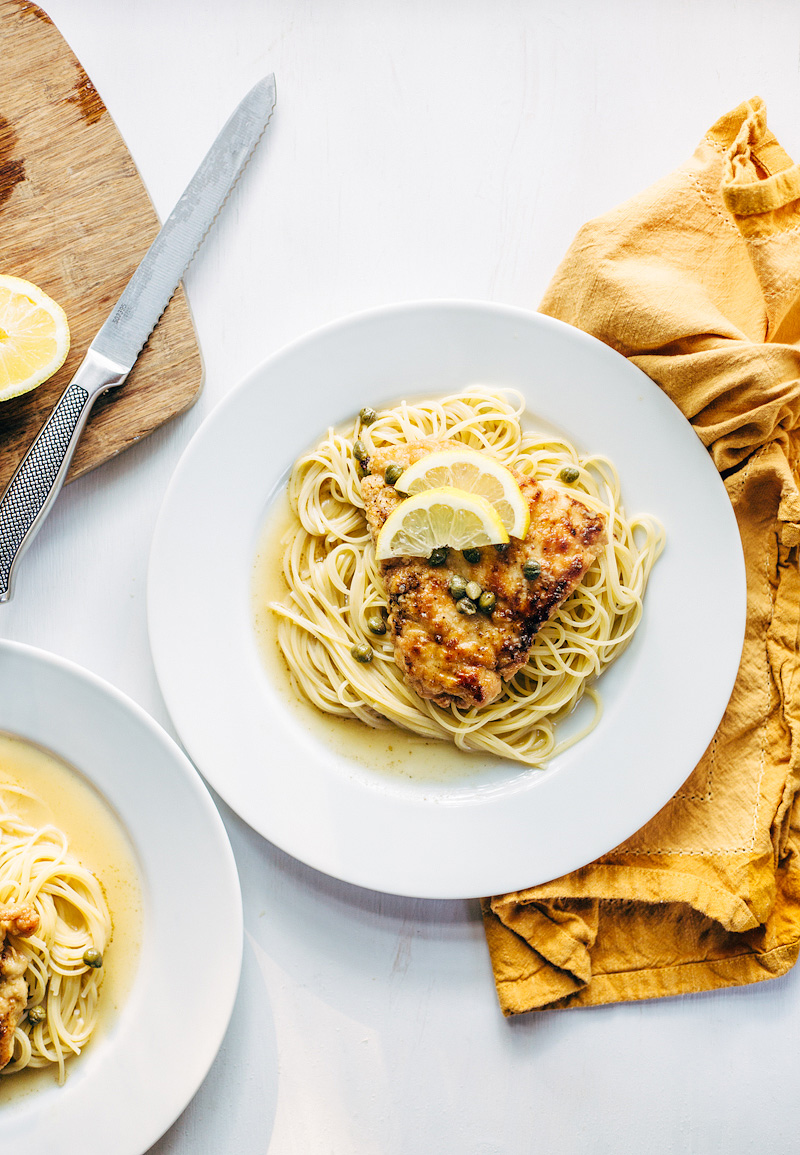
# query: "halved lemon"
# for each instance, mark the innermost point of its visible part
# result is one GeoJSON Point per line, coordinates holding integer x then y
{"type": "Point", "coordinates": [472, 472]}
{"type": "Point", "coordinates": [34, 336]}
{"type": "Point", "coordinates": [437, 517]}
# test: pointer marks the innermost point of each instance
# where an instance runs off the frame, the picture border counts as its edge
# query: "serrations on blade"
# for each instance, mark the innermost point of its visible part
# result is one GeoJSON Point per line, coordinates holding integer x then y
{"type": "Point", "coordinates": [153, 284]}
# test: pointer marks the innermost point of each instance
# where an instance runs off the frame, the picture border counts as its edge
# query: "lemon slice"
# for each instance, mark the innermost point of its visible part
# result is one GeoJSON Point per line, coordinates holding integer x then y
{"type": "Point", "coordinates": [437, 517]}
{"type": "Point", "coordinates": [34, 336]}
{"type": "Point", "coordinates": [473, 472]}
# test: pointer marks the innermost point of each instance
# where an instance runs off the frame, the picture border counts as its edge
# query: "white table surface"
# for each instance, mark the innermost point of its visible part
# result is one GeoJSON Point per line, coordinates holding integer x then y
{"type": "Point", "coordinates": [420, 148]}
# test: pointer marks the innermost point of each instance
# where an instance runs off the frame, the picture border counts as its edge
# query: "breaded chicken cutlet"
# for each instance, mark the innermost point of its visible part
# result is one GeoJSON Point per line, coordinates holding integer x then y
{"type": "Point", "coordinates": [448, 656]}
{"type": "Point", "coordinates": [20, 920]}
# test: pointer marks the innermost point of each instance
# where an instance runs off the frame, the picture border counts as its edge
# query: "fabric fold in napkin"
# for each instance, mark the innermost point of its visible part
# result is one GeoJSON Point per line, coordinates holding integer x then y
{"type": "Point", "coordinates": [697, 281]}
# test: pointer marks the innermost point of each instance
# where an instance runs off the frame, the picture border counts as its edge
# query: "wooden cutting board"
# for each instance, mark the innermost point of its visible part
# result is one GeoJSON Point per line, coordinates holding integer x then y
{"type": "Point", "coordinates": [75, 219]}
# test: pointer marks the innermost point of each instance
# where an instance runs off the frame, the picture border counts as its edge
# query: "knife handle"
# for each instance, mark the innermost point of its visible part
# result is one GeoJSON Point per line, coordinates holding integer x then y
{"type": "Point", "coordinates": [38, 478]}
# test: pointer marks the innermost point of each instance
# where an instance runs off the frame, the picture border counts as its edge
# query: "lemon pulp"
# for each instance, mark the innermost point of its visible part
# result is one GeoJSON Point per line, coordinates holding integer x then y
{"type": "Point", "coordinates": [438, 517]}
{"type": "Point", "coordinates": [34, 336]}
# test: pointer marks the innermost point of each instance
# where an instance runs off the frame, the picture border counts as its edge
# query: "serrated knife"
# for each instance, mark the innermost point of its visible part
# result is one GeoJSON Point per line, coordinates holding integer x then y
{"type": "Point", "coordinates": [112, 354]}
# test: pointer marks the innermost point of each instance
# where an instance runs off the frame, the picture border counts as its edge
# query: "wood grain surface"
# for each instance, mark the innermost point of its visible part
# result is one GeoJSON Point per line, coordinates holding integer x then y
{"type": "Point", "coordinates": [76, 219]}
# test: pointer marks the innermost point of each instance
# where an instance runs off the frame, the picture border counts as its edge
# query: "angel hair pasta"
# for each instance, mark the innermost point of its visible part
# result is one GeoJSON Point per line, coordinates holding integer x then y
{"type": "Point", "coordinates": [334, 585]}
{"type": "Point", "coordinates": [63, 956]}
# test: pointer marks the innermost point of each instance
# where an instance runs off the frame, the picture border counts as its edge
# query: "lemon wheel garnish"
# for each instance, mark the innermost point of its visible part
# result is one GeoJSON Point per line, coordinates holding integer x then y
{"type": "Point", "coordinates": [439, 517]}
{"type": "Point", "coordinates": [34, 336]}
{"type": "Point", "coordinates": [472, 472]}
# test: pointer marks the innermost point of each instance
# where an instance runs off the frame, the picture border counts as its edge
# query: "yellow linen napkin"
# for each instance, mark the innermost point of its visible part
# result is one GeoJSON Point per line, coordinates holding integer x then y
{"type": "Point", "coordinates": [697, 281]}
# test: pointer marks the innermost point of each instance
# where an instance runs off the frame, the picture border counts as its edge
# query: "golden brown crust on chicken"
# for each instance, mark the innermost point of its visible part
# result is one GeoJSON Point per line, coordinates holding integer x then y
{"type": "Point", "coordinates": [447, 656]}
{"type": "Point", "coordinates": [20, 920]}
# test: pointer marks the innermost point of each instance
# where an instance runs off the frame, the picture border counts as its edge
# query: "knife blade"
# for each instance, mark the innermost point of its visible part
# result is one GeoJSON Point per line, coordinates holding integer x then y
{"type": "Point", "coordinates": [32, 490]}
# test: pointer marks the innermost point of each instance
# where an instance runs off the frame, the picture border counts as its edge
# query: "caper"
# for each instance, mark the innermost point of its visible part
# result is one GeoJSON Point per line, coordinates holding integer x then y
{"type": "Point", "coordinates": [92, 957]}
{"type": "Point", "coordinates": [360, 451]}
{"type": "Point", "coordinates": [467, 606]}
{"type": "Point", "coordinates": [393, 474]}
{"type": "Point", "coordinates": [361, 469]}
{"type": "Point", "coordinates": [37, 1015]}
{"type": "Point", "coordinates": [486, 602]}
{"type": "Point", "coordinates": [471, 555]}
{"type": "Point", "coordinates": [439, 556]}
{"type": "Point", "coordinates": [362, 652]}
{"type": "Point", "coordinates": [457, 586]}
{"type": "Point", "coordinates": [569, 474]}
{"type": "Point", "coordinates": [474, 591]}
{"type": "Point", "coordinates": [502, 546]}
{"type": "Point", "coordinates": [531, 569]}
{"type": "Point", "coordinates": [367, 415]}
{"type": "Point", "coordinates": [376, 624]}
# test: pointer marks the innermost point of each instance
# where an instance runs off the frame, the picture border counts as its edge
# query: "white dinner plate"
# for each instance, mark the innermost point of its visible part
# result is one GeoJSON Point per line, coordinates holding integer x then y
{"type": "Point", "coordinates": [491, 827]}
{"type": "Point", "coordinates": [136, 1077]}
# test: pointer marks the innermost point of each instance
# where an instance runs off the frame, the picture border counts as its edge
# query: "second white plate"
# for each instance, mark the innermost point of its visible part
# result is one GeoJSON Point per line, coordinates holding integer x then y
{"type": "Point", "coordinates": [136, 1077]}
{"type": "Point", "coordinates": [496, 827]}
